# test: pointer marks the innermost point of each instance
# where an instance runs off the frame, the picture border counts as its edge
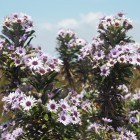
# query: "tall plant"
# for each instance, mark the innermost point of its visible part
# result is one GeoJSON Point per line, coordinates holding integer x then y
{"type": "Point", "coordinates": [113, 56]}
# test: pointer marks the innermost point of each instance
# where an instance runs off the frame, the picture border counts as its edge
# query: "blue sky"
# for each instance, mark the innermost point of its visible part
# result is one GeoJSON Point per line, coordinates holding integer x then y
{"type": "Point", "coordinates": [80, 15]}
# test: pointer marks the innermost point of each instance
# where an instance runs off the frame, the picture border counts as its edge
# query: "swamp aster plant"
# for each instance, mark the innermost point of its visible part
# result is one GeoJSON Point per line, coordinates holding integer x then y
{"type": "Point", "coordinates": [112, 56]}
{"type": "Point", "coordinates": [42, 109]}
{"type": "Point", "coordinates": [68, 48]}
{"type": "Point", "coordinates": [17, 33]}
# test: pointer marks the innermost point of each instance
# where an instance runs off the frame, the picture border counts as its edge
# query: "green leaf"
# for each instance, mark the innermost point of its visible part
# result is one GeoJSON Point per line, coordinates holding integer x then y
{"type": "Point", "coordinates": [46, 117]}
{"type": "Point", "coordinates": [44, 126]}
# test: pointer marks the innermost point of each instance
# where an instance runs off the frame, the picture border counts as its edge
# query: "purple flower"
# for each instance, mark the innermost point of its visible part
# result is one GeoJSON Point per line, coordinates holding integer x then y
{"type": "Point", "coordinates": [133, 120]}
{"type": "Point", "coordinates": [106, 120]}
{"type": "Point", "coordinates": [105, 71]}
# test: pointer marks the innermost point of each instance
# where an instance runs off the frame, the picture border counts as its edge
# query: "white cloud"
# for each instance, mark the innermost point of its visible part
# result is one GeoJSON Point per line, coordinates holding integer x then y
{"type": "Point", "coordinates": [45, 26]}
{"type": "Point", "coordinates": [67, 23]}
{"type": "Point", "coordinates": [85, 27]}
{"type": "Point", "coordinates": [91, 18]}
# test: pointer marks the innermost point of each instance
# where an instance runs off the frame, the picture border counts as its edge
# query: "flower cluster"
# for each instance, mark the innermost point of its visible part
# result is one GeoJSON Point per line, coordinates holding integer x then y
{"type": "Point", "coordinates": [18, 101]}
{"type": "Point", "coordinates": [120, 134]}
{"type": "Point", "coordinates": [15, 134]}
{"type": "Point", "coordinates": [21, 19]}
{"type": "Point", "coordinates": [83, 94]}
{"type": "Point", "coordinates": [122, 53]}
{"type": "Point", "coordinates": [118, 21]}
{"type": "Point", "coordinates": [42, 63]}
{"type": "Point", "coordinates": [67, 109]}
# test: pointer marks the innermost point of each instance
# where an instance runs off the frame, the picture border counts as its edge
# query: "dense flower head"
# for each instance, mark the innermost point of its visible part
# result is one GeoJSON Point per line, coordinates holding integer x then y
{"type": "Point", "coordinates": [18, 18]}
{"type": "Point", "coordinates": [62, 33]}
{"type": "Point", "coordinates": [42, 63]}
{"type": "Point", "coordinates": [116, 22]}
{"type": "Point", "coordinates": [17, 100]}
{"type": "Point", "coordinates": [15, 134]}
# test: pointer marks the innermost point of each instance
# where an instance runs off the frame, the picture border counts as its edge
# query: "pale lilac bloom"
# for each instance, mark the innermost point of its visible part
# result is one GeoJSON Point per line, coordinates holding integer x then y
{"type": "Point", "coordinates": [64, 118]}
{"type": "Point", "coordinates": [121, 129]}
{"type": "Point", "coordinates": [70, 33]}
{"type": "Point", "coordinates": [96, 42]}
{"type": "Point", "coordinates": [80, 42]}
{"type": "Point", "coordinates": [106, 120]}
{"type": "Point", "coordinates": [34, 63]}
{"type": "Point", "coordinates": [11, 97]}
{"type": "Point", "coordinates": [64, 104]}
{"type": "Point", "coordinates": [122, 59]}
{"type": "Point", "coordinates": [75, 115]}
{"type": "Point", "coordinates": [86, 105]}
{"type": "Point", "coordinates": [63, 33]}
{"type": "Point", "coordinates": [9, 136]}
{"type": "Point", "coordinates": [52, 106]}
{"type": "Point", "coordinates": [133, 120]}
{"type": "Point", "coordinates": [28, 103]}
{"type": "Point", "coordinates": [105, 71]}
{"type": "Point", "coordinates": [17, 132]}
{"type": "Point", "coordinates": [130, 59]}
{"type": "Point", "coordinates": [133, 112]}
{"type": "Point", "coordinates": [137, 59]}
{"type": "Point", "coordinates": [120, 49]}
{"type": "Point", "coordinates": [10, 47]}
{"type": "Point", "coordinates": [85, 51]}
{"type": "Point", "coordinates": [136, 96]}
{"type": "Point", "coordinates": [17, 61]}
{"type": "Point", "coordinates": [131, 135]}
{"type": "Point", "coordinates": [20, 51]}
{"type": "Point", "coordinates": [75, 101]}
{"type": "Point", "coordinates": [114, 53]}
{"type": "Point", "coordinates": [111, 62]}
{"type": "Point", "coordinates": [99, 55]}
{"type": "Point", "coordinates": [95, 126]}
{"type": "Point", "coordinates": [121, 14]}
{"type": "Point", "coordinates": [23, 38]}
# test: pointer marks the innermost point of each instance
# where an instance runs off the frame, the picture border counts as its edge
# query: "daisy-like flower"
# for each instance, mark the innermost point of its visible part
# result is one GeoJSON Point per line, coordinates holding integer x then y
{"type": "Point", "coordinates": [133, 120]}
{"type": "Point", "coordinates": [105, 71]}
{"type": "Point", "coordinates": [64, 104]}
{"type": "Point", "coordinates": [75, 101]}
{"type": "Point", "coordinates": [117, 23]}
{"type": "Point", "coordinates": [28, 102]}
{"type": "Point", "coordinates": [20, 51]}
{"type": "Point", "coordinates": [17, 61]}
{"type": "Point", "coordinates": [99, 55]}
{"type": "Point", "coordinates": [34, 63]}
{"type": "Point", "coordinates": [64, 118]}
{"type": "Point", "coordinates": [86, 106]}
{"type": "Point", "coordinates": [80, 42]}
{"type": "Point", "coordinates": [120, 49]}
{"type": "Point", "coordinates": [11, 97]}
{"type": "Point", "coordinates": [17, 132]}
{"type": "Point", "coordinates": [106, 120]}
{"type": "Point", "coordinates": [111, 62]}
{"type": "Point", "coordinates": [131, 135]}
{"type": "Point", "coordinates": [114, 53]}
{"type": "Point", "coordinates": [122, 59]}
{"type": "Point", "coordinates": [75, 115]}
{"type": "Point", "coordinates": [52, 106]}
{"type": "Point", "coordinates": [95, 126]}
